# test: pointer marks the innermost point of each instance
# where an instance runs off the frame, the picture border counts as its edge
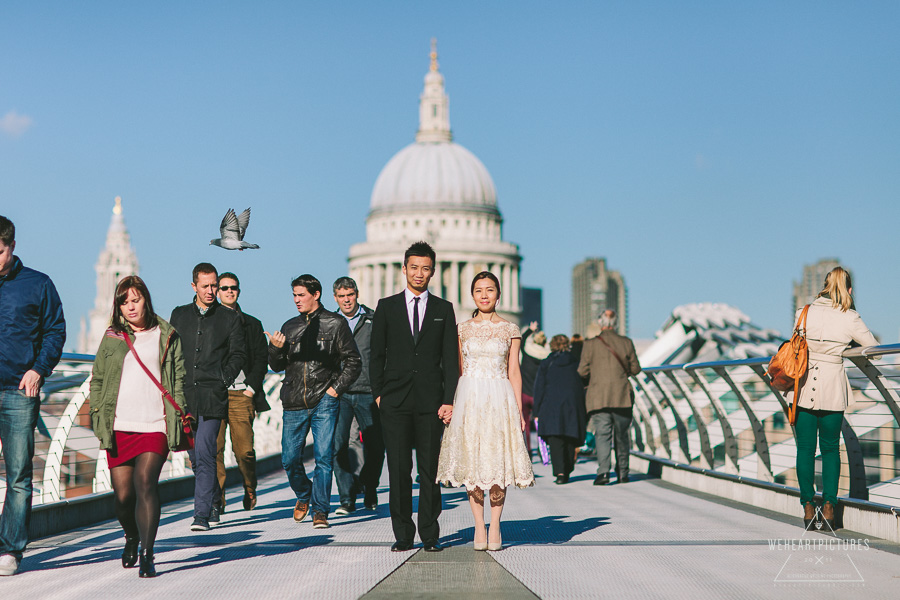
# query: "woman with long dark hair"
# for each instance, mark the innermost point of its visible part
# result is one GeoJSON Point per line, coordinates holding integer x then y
{"type": "Point", "coordinates": [136, 427]}
{"type": "Point", "coordinates": [483, 447]}
{"type": "Point", "coordinates": [831, 327]}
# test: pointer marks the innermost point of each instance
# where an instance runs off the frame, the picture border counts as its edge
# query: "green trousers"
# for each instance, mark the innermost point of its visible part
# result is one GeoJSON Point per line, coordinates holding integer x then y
{"type": "Point", "coordinates": [823, 426]}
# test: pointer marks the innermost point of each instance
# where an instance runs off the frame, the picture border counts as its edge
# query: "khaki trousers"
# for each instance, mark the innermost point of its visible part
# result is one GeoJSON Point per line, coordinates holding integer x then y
{"type": "Point", "coordinates": [240, 421]}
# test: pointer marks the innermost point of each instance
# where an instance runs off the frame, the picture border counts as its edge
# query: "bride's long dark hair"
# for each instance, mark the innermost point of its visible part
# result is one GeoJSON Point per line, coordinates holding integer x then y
{"type": "Point", "coordinates": [479, 277]}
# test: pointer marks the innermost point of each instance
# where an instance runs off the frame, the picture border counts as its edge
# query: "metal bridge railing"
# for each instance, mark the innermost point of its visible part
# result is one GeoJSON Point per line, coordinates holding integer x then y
{"type": "Point", "coordinates": [725, 416]}
{"type": "Point", "coordinates": [68, 461]}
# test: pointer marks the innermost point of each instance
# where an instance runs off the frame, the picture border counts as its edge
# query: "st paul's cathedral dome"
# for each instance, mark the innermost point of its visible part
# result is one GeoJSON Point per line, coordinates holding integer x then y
{"type": "Point", "coordinates": [436, 190]}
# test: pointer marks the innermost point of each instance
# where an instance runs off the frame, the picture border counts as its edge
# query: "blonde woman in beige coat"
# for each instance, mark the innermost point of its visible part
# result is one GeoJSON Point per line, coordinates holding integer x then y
{"type": "Point", "coordinates": [831, 326]}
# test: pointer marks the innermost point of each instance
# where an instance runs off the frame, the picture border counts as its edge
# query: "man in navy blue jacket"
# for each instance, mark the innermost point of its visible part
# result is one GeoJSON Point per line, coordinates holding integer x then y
{"type": "Point", "coordinates": [33, 333]}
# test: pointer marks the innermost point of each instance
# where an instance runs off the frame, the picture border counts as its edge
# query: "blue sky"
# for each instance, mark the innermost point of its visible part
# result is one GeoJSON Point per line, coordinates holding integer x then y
{"type": "Point", "coordinates": [708, 150]}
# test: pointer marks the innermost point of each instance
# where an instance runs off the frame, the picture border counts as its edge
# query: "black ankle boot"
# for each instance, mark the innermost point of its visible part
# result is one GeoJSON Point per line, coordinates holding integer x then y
{"type": "Point", "coordinates": [130, 552]}
{"type": "Point", "coordinates": [147, 568]}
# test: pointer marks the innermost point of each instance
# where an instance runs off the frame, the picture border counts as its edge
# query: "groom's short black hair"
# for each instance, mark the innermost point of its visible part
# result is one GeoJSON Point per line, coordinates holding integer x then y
{"type": "Point", "coordinates": [420, 249]}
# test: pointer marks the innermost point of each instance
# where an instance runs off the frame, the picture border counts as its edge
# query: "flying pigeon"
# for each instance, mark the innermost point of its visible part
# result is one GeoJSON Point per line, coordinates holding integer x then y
{"type": "Point", "coordinates": [232, 230]}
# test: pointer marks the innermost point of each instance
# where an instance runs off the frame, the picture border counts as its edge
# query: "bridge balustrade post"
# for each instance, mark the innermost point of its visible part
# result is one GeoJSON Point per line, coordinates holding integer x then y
{"type": "Point", "coordinates": [859, 487]}
{"type": "Point", "coordinates": [858, 484]}
{"type": "Point", "coordinates": [764, 464]}
{"type": "Point", "coordinates": [680, 427]}
{"type": "Point", "coordinates": [891, 399]}
{"type": "Point", "coordinates": [660, 420]}
{"type": "Point", "coordinates": [707, 459]}
{"type": "Point", "coordinates": [760, 371]}
{"type": "Point", "coordinates": [643, 415]}
{"type": "Point", "coordinates": [50, 491]}
{"type": "Point", "coordinates": [731, 449]}
{"type": "Point", "coordinates": [102, 481]}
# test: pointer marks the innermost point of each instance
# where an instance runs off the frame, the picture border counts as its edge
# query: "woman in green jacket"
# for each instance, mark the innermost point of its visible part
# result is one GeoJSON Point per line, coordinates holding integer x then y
{"type": "Point", "coordinates": [135, 425]}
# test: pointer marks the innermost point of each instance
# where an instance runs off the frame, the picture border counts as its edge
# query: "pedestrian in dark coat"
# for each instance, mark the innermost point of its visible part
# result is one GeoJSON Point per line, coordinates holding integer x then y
{"type": "Point", "coordinates": [534, 350]}
{"type": "Point", "coordinates": [215, 351]}
{"type": "Point", "coordinates": [559, 406]}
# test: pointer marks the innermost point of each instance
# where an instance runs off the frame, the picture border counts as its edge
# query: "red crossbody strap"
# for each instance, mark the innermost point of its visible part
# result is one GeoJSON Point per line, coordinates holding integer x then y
{"type": "Point", "coordinates": [164, 391]}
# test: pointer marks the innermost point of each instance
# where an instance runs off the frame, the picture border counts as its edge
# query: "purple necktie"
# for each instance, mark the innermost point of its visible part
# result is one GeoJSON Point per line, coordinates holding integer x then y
{"type": "Point", "coordinates": [416, 319]}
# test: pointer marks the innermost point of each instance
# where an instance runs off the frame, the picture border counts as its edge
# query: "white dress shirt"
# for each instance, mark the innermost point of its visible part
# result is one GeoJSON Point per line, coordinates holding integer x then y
{"type": "Point", "coordinates": [410, 306]}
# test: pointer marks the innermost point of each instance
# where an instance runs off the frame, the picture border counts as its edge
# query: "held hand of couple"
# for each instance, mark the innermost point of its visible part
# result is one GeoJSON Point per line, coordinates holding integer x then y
{"type": "Point", "coordinates": [445, 413]}
{"type": "Point", "coordinates": [276, 339]}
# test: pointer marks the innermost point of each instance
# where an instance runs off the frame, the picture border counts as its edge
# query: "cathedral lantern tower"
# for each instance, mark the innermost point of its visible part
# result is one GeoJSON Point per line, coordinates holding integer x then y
{"type": "Point", "coordinates": [117, 260]}
{"type": "Point", "coordinates": [436, 190]}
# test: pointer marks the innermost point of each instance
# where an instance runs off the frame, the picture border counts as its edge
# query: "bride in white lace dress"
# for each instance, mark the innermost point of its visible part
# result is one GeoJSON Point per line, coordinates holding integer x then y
{"type": "Point", "coordinates": [483, 447]}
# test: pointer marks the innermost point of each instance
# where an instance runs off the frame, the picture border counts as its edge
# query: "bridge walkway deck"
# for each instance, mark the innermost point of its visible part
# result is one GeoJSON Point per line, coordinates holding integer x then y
{"type": "Point", "coordinates": [644, 539]}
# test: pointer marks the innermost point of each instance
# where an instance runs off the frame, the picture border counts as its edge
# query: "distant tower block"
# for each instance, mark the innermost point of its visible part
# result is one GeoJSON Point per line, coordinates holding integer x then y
{"type": "Point", "coordinates": [436, 190]}
{"type": "Point", "coordinates": [811, 283]}
{"type": "Point", "coordinates": [595, 289]}
{"type": "Point", "coordinates": [117, 260]}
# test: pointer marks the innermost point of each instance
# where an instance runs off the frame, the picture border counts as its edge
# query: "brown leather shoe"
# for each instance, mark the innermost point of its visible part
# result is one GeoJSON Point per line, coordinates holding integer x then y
{"type": "Point", "coordinates": [300, 511]}
{"type": "Point", "coordinates": [320, 521]}
{"type": "Point", "coordinates": [249, 499]}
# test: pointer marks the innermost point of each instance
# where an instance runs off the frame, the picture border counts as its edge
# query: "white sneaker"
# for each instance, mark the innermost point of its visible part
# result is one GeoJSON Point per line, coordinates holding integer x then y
{"type": "Point", "coordinates": [9, 564]}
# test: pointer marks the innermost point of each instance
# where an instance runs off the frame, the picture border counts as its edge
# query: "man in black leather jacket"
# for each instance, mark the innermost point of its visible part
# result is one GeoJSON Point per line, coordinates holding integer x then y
{"type": "Point", "coordinates": [320, 360]}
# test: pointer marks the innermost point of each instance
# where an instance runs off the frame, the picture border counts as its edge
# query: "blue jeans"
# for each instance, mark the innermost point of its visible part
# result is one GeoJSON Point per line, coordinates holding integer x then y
{"type": "Point", "coordinates": [363, 407]}
{"type": "Point", "coordinates": [203, 461]}
{"type": "Point", "coordinates": [18, 418]}
{"type": "Point", "coordinates": [295, 427]}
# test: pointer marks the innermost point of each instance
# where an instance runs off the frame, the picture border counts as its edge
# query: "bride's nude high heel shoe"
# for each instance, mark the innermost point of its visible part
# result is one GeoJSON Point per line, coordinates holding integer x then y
{"type": "Point", "coordinates": [481, 546]}
{"type": "Point", "coordinates": [494, 546]}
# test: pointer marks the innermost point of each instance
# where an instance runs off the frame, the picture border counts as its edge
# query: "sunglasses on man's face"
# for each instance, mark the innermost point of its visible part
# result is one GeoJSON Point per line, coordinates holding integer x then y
{"type": "Point", "coordinates": [227, 288]}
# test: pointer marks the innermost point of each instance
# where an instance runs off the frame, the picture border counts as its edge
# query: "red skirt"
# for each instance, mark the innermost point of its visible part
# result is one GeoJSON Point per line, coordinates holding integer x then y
{"type": "Point", "coordinates": [127, 445]}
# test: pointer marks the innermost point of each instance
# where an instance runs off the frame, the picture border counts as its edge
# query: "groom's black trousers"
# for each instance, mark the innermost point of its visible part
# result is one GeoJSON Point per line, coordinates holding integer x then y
{"type": "Point", "coordinates": [404, 429]}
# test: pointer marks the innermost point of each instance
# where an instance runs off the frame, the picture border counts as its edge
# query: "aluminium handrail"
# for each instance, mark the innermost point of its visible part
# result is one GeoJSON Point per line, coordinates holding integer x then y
{"type": "Point", "coordinates": [63, 452]}
{"type": "Point", "coordinates": [886, 386]}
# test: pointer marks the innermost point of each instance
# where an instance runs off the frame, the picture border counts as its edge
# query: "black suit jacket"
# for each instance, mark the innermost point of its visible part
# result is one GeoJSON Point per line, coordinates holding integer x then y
{"type": "Point", "coordinates": [257, 363]}
{"type": "Point", "coordinates": [428, 368]}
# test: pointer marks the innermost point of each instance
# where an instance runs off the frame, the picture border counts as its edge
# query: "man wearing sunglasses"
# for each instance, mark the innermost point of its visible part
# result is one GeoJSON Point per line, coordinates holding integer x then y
{"type": "Point", "coordinates": [245, 396]}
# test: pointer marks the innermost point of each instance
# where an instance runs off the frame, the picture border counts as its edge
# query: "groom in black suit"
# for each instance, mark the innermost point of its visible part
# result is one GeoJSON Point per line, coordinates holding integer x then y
{"type": "Point", "coordinates": [414, 370]}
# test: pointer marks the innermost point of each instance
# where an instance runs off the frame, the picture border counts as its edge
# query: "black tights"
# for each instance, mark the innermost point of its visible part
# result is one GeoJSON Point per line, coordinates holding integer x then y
{"type": "Point", "coordinates": [137, 497]}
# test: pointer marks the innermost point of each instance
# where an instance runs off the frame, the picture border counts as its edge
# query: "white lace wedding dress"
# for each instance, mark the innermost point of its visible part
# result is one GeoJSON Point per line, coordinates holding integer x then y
{"type": "Point", "coordinates": [483, 445]}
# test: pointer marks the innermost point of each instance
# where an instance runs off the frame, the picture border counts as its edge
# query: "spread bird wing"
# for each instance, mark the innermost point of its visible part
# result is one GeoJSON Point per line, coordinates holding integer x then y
{"type": "Point", "coordinates": [243, 221]}
{"type": "Point", "coordinates": [230, 228]}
